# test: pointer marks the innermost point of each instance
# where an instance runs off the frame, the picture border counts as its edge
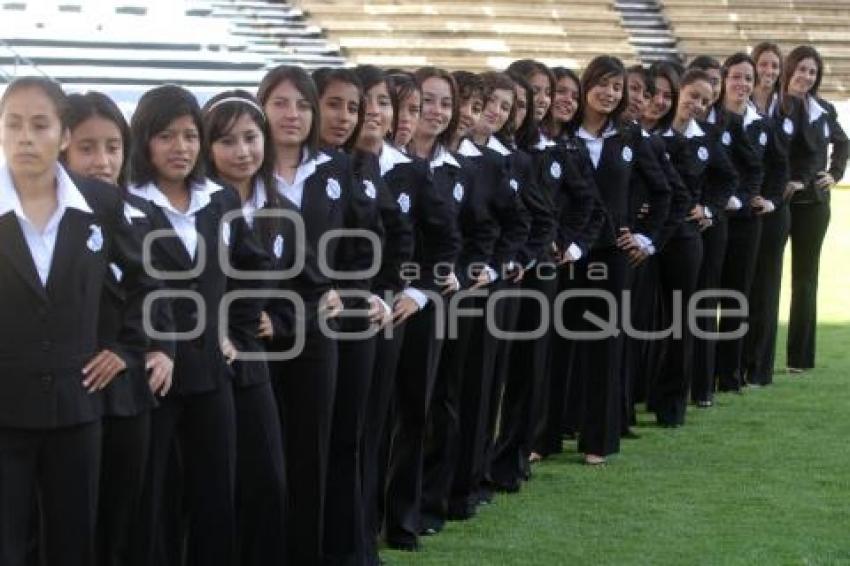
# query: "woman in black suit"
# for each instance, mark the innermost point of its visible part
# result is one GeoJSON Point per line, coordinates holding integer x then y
{"type": "Point", "coordinates": [619, 153]}
{"type": "Point", "coordinates": [709, 177]}
{"type": "Point", "coordinates": [60, 235]}
{"type": "Point", "coordinates": [197, 416]}
{"type": "Point", "coordinates": [745, 224]}
{"type": "Point", "coordinates": [817, 169]}
{"type": "Point", "coordinates": [237, 140]}
{"type": "Point", "coordinates": [787, 120]}
{"type": "Point", "coordinates": [98, 148]}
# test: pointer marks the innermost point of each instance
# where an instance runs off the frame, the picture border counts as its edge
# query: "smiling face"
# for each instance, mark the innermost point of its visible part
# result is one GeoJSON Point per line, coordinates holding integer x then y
{"type": "Point", "coordinates": [32, 133]}
{"type": "Point", "coordinates": [804, 77]}
{"type": "Point", "coordinates": [436, 107]}
{"type": "Point", "coordinates": [496, 111]}
{"type": "Point", "coordinates": [339, 108]}
{"type": "Point", "coordinates": [694, 101]}
{"type": "Point", "coordinates": [716, 81]}
{"type": "Point", "coordinates": [565, 101]}
{"type": "Point", "coordinates": [290, 115]}
{"type": "Point", "coordinates": [96, 150]}
{"type": "Point", "coordinates": [661, 101]}
{"type": "Point", "coordinates": [174, 151]}
{"type": "Point", "coordinates": [238, 154]}
{"type": "Point", "coordinates": [542, 89]}
{"type": "Point", "coordinates": [768, 68]}
{"type": "Point", "coordinates": [378, 115]}
{"type": "Point", "coordinates": [605, 95]}
{"type": "Point", "coordinates": [740, 81]}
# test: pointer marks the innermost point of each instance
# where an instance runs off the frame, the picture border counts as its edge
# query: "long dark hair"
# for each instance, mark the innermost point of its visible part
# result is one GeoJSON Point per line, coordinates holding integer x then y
{"type": "Point", "coordinates": [426, 73]}
{"type": "Point", "coordinates": [156, 109]}
{"type": "Point", "coordinates": [303, 84]}
{"type": "Point", "coordinates": [526, 134]}
{"type": "Point", "coordinates": [601, 67]}
{"type": "Point", "coordinates": [94, 104]}
{"type": "Point", "coordinates": [768, 47]}
{"type": "Point", "coordinates": [798, 54]}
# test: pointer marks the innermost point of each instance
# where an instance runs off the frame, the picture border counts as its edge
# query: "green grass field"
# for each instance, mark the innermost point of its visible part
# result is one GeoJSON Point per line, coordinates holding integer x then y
{"type": "Point", "coordinates": [761, 478]}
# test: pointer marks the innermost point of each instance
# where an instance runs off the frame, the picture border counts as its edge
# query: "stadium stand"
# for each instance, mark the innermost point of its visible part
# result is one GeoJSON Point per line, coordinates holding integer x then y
{"type": "Point", "coordinates": [717, 28]}
{"type": "Point", "coordinates": [471, 35]}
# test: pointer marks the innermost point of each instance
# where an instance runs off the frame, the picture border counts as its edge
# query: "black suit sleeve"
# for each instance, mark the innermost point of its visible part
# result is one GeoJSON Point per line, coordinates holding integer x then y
{"type": "Point", "coordinates": [838, 139]}
{"type": "Point", "coordinates": [657, 187]}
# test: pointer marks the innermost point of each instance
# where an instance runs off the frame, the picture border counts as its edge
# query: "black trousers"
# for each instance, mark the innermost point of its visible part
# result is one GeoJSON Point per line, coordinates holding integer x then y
{"type": "Point", "coordinates": [375, 445]}
{"type": "Point", "coordinates": [415, 377]}
{"type": "Point", "coordinates": [124, 460]}
{"type": "Point", "coordinates": [600, 359]}
{"type": "Point", "coordinates": [641, 358]}
{"type": "Point", "coordinates": [525, 386]}
{"type": "Point", "coordinates": [760, 344]}
{"type": "Point", "coordinates": [344, 507]}
{"type": "Point", "coordinates": [739, 269]}
{"type": "Point", "coordinates": [61, 467]}
{"type": "Point", "coordinates": [678, 272]}
{"type": "Point", "coordinates": [711, 271]}
{"type": "Point", "coordinates": [557, 414]}
{"type": "Point", "coordinates": [305, 388]}
{"type": "Point", "coordinates": [508, 316]}
{"type": "Point", "coordinates": [200, 431]}
{"type": "Point", "coordinates": [260, 477]}
{"type": "Point", "coordinates": [808, 230]}
{"type": "Point", "coordinates": [444, 440]}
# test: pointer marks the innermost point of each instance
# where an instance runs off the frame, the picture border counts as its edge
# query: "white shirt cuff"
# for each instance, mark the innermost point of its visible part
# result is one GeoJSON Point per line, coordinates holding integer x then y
{"type": "Point", "coordinates": [530, 264]}
{"type": "Point", "coordinates": [418, 296]}
{"type": "Point", "coordinates": [645, 244]}
{"type": "Point", "coordinates": [769, 206]}
{"type": "Point", "coordinates": [574, 252]}
{"type": "Point", "coordinates": [707, 212]}
{"type": "Point", "coordinates": [734, 203]}
{"type": "Point", "coordinates": [491, 273]}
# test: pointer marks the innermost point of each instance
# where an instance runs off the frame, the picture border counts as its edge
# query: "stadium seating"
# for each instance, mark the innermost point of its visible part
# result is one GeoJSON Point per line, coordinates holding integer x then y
{"type": "Point", "coordinates": [471, 35]}
{"type": "Point", "coordinates": [719, 28]}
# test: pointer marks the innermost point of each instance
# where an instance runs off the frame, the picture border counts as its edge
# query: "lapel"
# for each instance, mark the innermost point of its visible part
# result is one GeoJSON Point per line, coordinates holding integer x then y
{"type": "Point", "coordinates": [316, 205]}
{"type": "Point", "coordinates": [71, 242]}
{"type": "Point", "coordinates": [207, 225]}
{"type": "Point", "coordinates": [15, 249]}
{"type": "Point", "coordinates": [171, 245]}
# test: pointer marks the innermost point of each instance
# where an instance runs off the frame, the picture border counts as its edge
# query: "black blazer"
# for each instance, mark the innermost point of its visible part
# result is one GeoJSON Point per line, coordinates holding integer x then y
{"type": "Point", "coordinates": [199, 365]}
{"type": "Point", "coordinates": [809, 150]}
{"type": "Point", "coordinates": [129, 394]}
{"type": "Point", "coordinates": [742, 151]}
{"type": "Point", "coordinates": [436, 240]}
{"type": "Point", "coordinates": [564, 174]}
{"type": "Point", "coordinates": [538, 209]}
{"type": "Point", "coordinates": [626, 156]}
{"type": "Point", "coordinates": [705, 169]}
{"type": "Point", "coordinates": [679, 198]}
{"type": "Point", "coordinates": [51, 332]}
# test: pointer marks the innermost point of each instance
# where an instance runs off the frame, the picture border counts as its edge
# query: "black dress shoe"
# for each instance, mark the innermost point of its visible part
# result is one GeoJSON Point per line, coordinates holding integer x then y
{"type": "Point", "coordinates": [461, 510]}
{"type": "Point", "coordinates": [431, 524]}
{"type": "Point", "coordinates": [406, 545]}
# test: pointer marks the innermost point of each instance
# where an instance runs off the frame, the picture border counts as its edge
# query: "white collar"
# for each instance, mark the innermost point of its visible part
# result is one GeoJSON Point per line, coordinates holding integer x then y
{"type": "Point", "coordinates": [390, 157]}
{"type": "Point", "coordinates": [67, 193]}
{"type": "Point", "coordinates": [468, 149]}
{"type": "Point", "coordinates": [750, 115]}
{"type": "Point", "coordinates": [259, 198]}
{"type": "Point", "coordinates": [497, 146]}
{"type": "Point", "coordinates": [693, 130]}
{"type": "Point", "coordinates": [200, 195]}
{"type": "Point", "coordinates": [712, 117]}
{"type": "Point", "coordinates": [306, 168]}
{"type": "Point", "coordinates": [609, 131]}
{"type": "Point", "coordinates": [815, 109]}
{"type": "Point", "coordinates": [543, 143]}
{"type": "Point", "coordinates": [443, 157]}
